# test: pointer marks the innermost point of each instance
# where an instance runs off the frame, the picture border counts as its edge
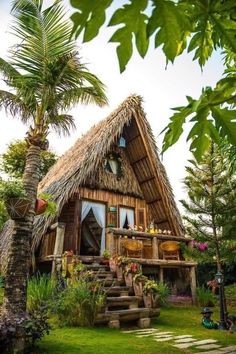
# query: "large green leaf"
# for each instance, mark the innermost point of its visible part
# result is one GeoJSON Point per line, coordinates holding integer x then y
{"type": "Point", "coordinates": [175, 127]}
{"type": "Point", "coordinates": [226, 121]}
{"type": "Point", "coordinates": [90, 17]}
{"type": "Point", "coordinates": [173, 26]}
{"type": "Point", "coordinates": [134, 23]}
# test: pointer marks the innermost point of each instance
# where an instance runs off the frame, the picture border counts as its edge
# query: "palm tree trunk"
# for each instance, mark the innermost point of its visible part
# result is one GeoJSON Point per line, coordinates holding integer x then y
{"type": "Point", "coordinates": [18, 265]}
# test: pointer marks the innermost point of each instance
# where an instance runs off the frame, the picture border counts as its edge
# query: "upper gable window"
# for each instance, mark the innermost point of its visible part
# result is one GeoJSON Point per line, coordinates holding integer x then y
{"type": "Point", "coordinates": [112, 164]}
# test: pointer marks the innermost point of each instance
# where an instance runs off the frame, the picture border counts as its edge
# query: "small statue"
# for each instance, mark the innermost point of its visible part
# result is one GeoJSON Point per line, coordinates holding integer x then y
{"type": "Point", "coordinates": [207, 322]}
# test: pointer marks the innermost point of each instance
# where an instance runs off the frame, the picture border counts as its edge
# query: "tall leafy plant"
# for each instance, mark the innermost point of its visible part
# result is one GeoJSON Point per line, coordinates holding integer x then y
{"type": "Point", "coordinates": [197, 26]}
{"type": "Point", "coordinates": [45, 78]}
{"type": "Point", "coordinates": [210, 208]}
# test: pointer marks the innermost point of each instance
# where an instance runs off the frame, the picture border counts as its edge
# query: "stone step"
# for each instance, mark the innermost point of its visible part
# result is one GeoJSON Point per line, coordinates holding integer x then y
{"type": "Point", "coordinates": [119, 290]}
{"type": "Point", "coordinates": [123, 301]}
{"type": "Point", "coordinates": [100, 267]}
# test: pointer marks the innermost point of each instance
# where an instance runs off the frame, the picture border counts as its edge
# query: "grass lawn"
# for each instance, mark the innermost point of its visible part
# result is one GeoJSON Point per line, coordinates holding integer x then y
{"type": "Point", "coordinates": [107, 341]}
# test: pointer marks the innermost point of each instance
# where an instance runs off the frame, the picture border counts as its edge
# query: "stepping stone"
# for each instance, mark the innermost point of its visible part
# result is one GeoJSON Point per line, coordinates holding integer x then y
{"type": "Point", "coordinates": [162, 334]}
{"type": "Point", "coordinates": [164, 339]}
{"type": "Point", "coordinates": [184, 336]}
{"type": "Point", "coordinates": [185, 340]}
{"type": "Point", "coordinates": [208, 346]}
{"type": "Point", "coordinates": [199, 342]}
{"type": "Point", "coordinates": [230, 349]}
{"type": "Point", "coordinates": [145, 335]}
{"type": "Point", "coordinates": [147, 330]}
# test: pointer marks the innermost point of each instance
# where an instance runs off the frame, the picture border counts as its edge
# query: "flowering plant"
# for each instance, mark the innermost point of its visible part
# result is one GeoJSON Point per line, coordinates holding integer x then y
{"type": "Point", "coordinates": [122, 261]}
{"type": "Point", "coordinates": [68, 254]}
{"type": "Point", "coordinates": [201, 246]}
{"type": "Point", "coordinates": [133, 268]}
{"type": "Point", "coordinates": [150, 286]}
{"type": "Point", "coordinates": [139, 278]}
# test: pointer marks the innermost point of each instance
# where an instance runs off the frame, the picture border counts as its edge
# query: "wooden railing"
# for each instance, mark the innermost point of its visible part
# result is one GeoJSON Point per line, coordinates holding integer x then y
{"type": "Point", "coordinates": [151, 242]}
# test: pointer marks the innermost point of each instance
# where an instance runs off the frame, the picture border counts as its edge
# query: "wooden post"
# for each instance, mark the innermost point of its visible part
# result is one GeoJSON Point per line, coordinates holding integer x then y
{"type": "Point", "coordinates": [77, 224]}
{"type": "Point", "coordinates": [155, 253]}
{"type": "Point", "coordinates": [59, 243]}
{"type": "Point", "coordinates": [161, 275]}
{"type": "Point", "coordinates": [193, 284]}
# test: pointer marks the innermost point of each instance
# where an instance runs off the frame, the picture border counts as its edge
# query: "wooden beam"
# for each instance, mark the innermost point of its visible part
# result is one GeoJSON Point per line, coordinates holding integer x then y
{"type": "Point", "coordinates": [147, 180]}
{"type": "Point", "coordinates": [138, 160]}
{"type": "Point", "coordinates": [146, 235]}
{"type": "Point", "coordinates": [154, 200]}
{"type": "Point", "coordinates": [58, 248]}
{"type": "Point", "coordinates": [77, 224]}
{"type": "Point", "coordinates": [131, 139]}
{"type": "Point", "coordinates": [193, 284]}
{"type": "Point", "coordinates": [161, 221]}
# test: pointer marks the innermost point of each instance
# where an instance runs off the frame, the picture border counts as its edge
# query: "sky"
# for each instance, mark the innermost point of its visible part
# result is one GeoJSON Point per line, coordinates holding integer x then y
{"type": "Point", "coordinates": [161, 88]}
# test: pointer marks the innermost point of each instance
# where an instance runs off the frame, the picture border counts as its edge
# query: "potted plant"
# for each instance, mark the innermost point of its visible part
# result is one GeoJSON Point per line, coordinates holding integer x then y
{"type": "Point", "coordinates": [121, 262]}
{"type": "Point", "coordinates": [150, 293]}
{"type": "Point", "coordinates": [130, 270]}
{"type": "Point", "coordinates": [138, 282]}
{"type": "Point", "coordinates": [14, 196]}
{"type": "Point", "coordinates": [44, 204]}
{"type": "Point", "coordinates": [106, 256]}
{"type": "Point", "coordinates": [113, 263]}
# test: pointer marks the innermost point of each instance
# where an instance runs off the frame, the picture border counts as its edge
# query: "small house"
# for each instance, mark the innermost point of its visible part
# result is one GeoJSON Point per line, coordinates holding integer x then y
{"type": "Point", "coordinates": [111, 191]}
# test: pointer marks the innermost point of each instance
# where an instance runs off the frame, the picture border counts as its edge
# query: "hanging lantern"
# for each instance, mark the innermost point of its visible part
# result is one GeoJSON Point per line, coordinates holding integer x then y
{"type": "Point", "coordinates": [122, 142]}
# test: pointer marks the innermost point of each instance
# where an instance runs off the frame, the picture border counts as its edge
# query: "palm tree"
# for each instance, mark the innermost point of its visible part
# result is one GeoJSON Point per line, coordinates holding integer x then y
{"type": "Point", "coordinates": [46, 78]}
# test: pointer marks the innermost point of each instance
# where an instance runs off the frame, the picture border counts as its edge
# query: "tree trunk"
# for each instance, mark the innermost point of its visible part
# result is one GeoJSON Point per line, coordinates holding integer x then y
{"type": "Point", "coordinates": [17, 270]}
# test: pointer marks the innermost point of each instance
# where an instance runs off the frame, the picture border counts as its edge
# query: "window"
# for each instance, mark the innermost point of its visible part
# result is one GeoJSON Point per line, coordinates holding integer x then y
{"type": "Point", "coordinates": [112, 164]}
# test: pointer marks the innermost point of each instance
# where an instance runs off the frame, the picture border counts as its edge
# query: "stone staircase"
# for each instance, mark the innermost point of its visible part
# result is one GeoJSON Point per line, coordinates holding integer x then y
{"type": "Point", "coordinates": [121, 304]}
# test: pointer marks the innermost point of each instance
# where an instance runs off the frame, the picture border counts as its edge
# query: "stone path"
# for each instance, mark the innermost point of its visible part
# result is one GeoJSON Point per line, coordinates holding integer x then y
{"type": "Point", "coordinates": [184, 341]}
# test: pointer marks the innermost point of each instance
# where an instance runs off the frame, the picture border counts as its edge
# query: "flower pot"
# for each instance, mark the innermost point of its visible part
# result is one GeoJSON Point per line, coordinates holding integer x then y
{"type": "Point", "coordinates": [40, 206]}
{"type": "Point", "coordinates": [18, 208]}
{"type": "Point", "coordinates": [138, 289]}
{"type": "Point", "coordinates": [147, 299]}
{"type": "Point", "coordinates": [113, 265]}
{"type": "Point", "coordinates": [129, 279]}
{"type": "Point", "coordinates": [119, 273]}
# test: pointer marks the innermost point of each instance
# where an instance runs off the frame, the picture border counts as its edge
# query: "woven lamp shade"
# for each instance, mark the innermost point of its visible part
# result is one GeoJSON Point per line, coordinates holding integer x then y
{"type": "Point", "coordinates": [133, 245]}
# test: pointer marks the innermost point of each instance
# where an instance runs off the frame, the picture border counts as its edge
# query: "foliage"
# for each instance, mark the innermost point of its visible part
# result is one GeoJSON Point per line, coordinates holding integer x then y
{"type": "Point", "coordinates": [210, 210]}
{"type": "Point", "coordinates": [139, 278]}
{"type": "Point", "coordinates": [205, 297]}
{"type": "Point", "coordinates": [3, 214]}
{"type": "Point", "coordinates": [230, 292]}
{"type": "Point", "coordinates": [51, 208]}
{"type": "Point", "coordinates": [14, 159]}
{"type": "Point", "coordinates": [11, 189]}
{"type": "Point", "coordinates": [133, 268]}
{"type": "Point", "coordinates": [106, 254]}
{"type": "Point", "coordinates": [41, 290]}
{"type": "Point", "coordinates": [196, 26]}
{"type": "Point", "coordinates": [150, 286]}
{"type": "Point", "coordinates": [163, 292]}
{"type": "Point", "coordinates": [122, 261]}
{"type": "Point", "coordinates": [80, 302]}
{"type": "Point", "coordinates": [36, 325]}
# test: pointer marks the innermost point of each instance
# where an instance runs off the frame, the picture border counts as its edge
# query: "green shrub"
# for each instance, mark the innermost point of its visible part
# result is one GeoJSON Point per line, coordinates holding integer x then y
{"type": "Point", "coordinates": [163, 292]}
{"type": "Point", "coordinates": [205, 297]}
{"type": "Point", "coordinates": [230, 292]}
{"type": "Point", "coordinates": [80, 302]}
{"type": "Point", "coordinates": [40, 292]}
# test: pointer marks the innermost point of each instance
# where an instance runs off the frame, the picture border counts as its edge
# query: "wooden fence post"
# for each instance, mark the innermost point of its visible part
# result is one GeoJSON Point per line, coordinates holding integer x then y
{"type": "Point", "coordinates": [58, 248]}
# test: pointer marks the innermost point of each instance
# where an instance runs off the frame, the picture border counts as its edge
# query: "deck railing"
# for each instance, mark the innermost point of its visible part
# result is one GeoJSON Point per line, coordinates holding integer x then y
{"type": "Point", "coordinates": [115, 239]}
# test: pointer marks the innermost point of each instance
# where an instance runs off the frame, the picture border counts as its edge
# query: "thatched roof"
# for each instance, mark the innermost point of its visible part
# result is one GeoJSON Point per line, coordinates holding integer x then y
{"type": "Point", "coordinates": [77, 166]}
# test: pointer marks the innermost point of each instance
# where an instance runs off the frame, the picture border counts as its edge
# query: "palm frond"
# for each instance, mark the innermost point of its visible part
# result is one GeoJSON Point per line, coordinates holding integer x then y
{"type": "Point", "coordinates": [44, 35]}
{"type": "Point", "coordinates": [62, 124]}
{"type": "Point", "coordinates": [14, 105]}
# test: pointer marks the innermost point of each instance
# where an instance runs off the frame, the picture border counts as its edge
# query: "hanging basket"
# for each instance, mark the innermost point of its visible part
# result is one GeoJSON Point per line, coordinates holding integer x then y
{"type": "Point", "coordinates": [40, 206]}
{"type": "Point", "coordinates": [18, 208]}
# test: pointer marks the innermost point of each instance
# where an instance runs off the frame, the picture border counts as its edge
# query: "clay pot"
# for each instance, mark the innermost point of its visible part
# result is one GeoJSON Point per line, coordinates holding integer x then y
{"type": "Point", "coordinates": [129, 279]}
{"type": "Point", "coordinates": [119, 273]}
{"type": "Point", "coordinates": [40, 206]}
{"type": "Point", "coordinates": [138, 289]}
{"type": "Point", "coordinates": [147, 299]}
